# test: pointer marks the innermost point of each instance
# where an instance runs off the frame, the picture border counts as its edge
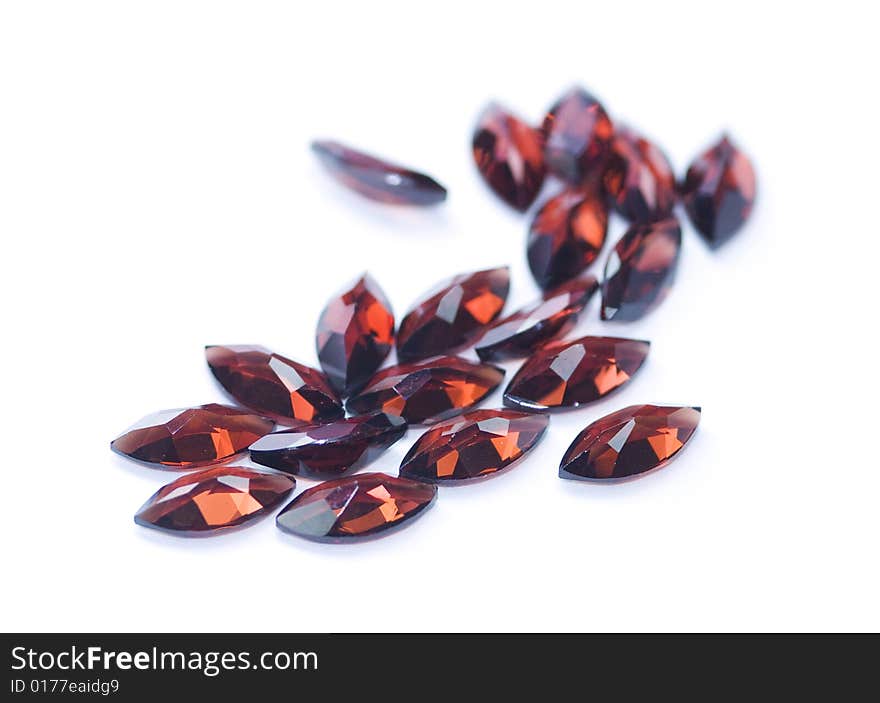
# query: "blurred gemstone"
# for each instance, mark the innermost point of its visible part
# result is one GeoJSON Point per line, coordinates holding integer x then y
{"type": "Point", "coordinates": [638, 178]}
{"type": "Point", "coordinates": [577, 137]}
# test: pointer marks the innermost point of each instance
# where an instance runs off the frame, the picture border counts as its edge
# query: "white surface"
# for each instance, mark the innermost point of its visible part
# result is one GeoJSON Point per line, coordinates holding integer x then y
{"type": "Point", "coordinates": [157, 194]}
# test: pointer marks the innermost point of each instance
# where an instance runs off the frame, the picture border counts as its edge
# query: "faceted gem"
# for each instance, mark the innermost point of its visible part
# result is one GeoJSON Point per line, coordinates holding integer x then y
{"type": "Point", "coordinates": [521, 333]}
{"type": "Point", "coordinates": [473, 446]}
{"type": "Point", "coordinates": [428, 391]}
{"type": "Point", "coordinates": [216, 500]}
{"type": "Point", "coordinates": [628, 443]}
{"type": "Point", "coordinates": [577, 137]}
{"type": "Point", "coordinates": [378, 179]}
{"type": "Point", "coordinates": [572, 373]}
{"type": "Point", "coordinates": [355, 334]}
{"type": "Point", "coordinates": [356, 508]}
{"type": "Point", "coordinates": [289, 392]}
{"type": "Point", "coordinates": [452, 314]}
{"type": "Point", "coordinates": [565, 237]}
{"type": "Point", "coordinates": [719, 191]}
{"type": "Point", "coordinates": [638, 178]}
{"type": "Point", "coordinates": [329, 451]}
{"type": "Point", "coordinates": [509, 156]}
{"type": "Point", "coordinates": [640, 270]}
{"type": "Point", "coordinates": [187, 438]}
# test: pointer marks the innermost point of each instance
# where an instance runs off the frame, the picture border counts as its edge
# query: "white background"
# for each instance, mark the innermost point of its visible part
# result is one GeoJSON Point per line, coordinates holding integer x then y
{"type": "Point", "coordinates": [157, 194]}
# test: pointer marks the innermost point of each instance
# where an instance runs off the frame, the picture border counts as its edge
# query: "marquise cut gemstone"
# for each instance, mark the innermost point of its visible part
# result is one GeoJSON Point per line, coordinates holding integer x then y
{"type": "Point", "coordinates": [376, 178]}
{"type": "Point", "coordinates": [355, 334]}
{"type": "Point", "coordinates": [189, 438]}
{"type": "Point", "coordinates": [289, 392]}
{"type": "Point", "coordinates": [509, 155]}
{"type": "Point", "coordinates": [428, 391]}
{"type": "Point", "coordinates": [640, 270]}
{"type": "Point", "coordinates": [572, 373]}
{"type": "Point", "coordinates": [356, 508]}
{"type": "Point", "coordinates": [450, 316]}
{"type": "Point", "coordinates": [215, 500]}
{"type": "Point", "coordinates": [629, 442]}
{"type": "Point", "coordinates": [577, 137]}
{"type": "Point", "coordinates": [331, 450]}
{"type": "Point", "coordinates": [529, 328]}
{"type": "Point", "coordinates": [473, 446]}
{"type": "Point", "coordinates": [638, 178]}
{"type": "Point", "coordinates": [566, 236]}
{"type": "Point", "coordinates": [719, 191]}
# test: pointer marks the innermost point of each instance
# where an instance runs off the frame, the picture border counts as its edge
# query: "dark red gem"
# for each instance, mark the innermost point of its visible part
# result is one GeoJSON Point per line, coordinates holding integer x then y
{"type": "Point", "coordinates": [628, 443]}
{"type": "Point", "coordinates": [577, 137]}
{"type": "Point", "coordinates": [529, 328]}
{"type": "Point", "coordinates": [329, 451]}
{"type": "Point", "coordinates": [640, 270]}
{"type": "Point", "coordinates": [451, 315]}
{"type": "Point", "coordinates": [638, 178]}
{"type": "Point", "coordinates": [571, 373]}
{"type": "Point", "coordinates": [378, 179]}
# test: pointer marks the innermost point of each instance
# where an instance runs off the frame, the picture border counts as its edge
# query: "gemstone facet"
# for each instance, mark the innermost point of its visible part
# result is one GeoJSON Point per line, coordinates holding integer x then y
{"type": "Point", "coordinates": [572, 373]}
{"type": "Point", "coordinates": [565, 236]}
{"type": "Point", "coordinates": [428, 391]}
{"type": "Point", "coordinates": [189, 438]}
{"type": "Point", "coordinates": [640, 270]}
{"type": "Point", "coordinates": [521, 333]}
{"type": "Point", "coordinates": [356, 508]}
{"type": "Point", "coordinates": [638, 178]}
{"type": "Point", "coordinates": [473, 446]}
{"type": "Point", "coordinates": [577, 137]}
{"type": "Point", "coordinates": [719, 191]}
{"type": "Point", "coordinates": [214, 500]}
{"type": "Point", "coordinates": [331, 450]}
{"type": "Point", "coordinates": [288, 392]}
{"type": "Point", "coordinates": [376, 178]}
{"type": "Point", "coordinates": [629, 442]}
{"type": "Point", "coordinates": [355, 334]}
{"type": "Point", "coordinates": [452, 314]}
{"type": "Point", "coordinates": [509, 156]}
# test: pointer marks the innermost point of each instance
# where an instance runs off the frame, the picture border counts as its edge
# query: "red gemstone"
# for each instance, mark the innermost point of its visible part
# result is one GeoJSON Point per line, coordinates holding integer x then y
{"type": "Point", "coordinates": [450, 316]}
{"type": "Point", "coordinates": [378, 179]}
{"type": "Point", "coordinates": [355, 334]}
{"type": "Point", "coordinates": [289, 392]}
{"type": "Point", "coordinates": [428, 391]}
{"type": "Point", "coordinates": [213, 501]}
{"type": "Point", "coordinates": [577, 137]}
{"type": "Point", "coordinates": [640, 270]}
{"type": "Point", "coordinates": [638, 178]}
{"type": "Point", "coordinates": [356, 508]}
{"type": "Point", "coordinates": [187, 438]}
{"type": "Point", "coordinates": [628, 443]}
{"type": "Point", "coordinates": [509, 156]}
{"type": "Point", "coordinates": [719, 192]}
{"type": "Point", "coordinates": [521, 333]}
{"type": "Point", "coordinates": [329, 451]}
{"type": "Point", "coordinates": [571, 373]}
{"type": "Point", "coordinates": [566, 236]}
{"type": "Point", "coordinates": [473, 446]}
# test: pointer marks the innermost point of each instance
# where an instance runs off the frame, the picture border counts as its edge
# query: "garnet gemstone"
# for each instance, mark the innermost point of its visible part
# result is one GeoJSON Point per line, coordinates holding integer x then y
{"type": "Point", "coordinates": [355, 334]}
{"type": "Point", "coordinates": [328, 451]}
{"type": "Point", "coordinates": [524, 331]}
{"type": "Point", "coordinates": [378, 179]}
{"type": "Point", "coordinates": [187, 438]}
{"type": "Point", "coordinates": [451, 315]}
{"type": "Point", "coordinates": [630, 442]}
{"type": "Point", "coordinates": [428, 391]}
{"type": "Point", "coordinates": [356, 508]}
{"type": "Point", "coordinates": [571, 373]}
{"type": "Point", "coordinates": [565, 237]}
{"type": "Point", "coordinates": [638, 178]}
{"type": "Point", "coordinates": [213, 501]}
{"type": "Point", "coordinates": [509, 156]}
{"type": "Point", "coordinates": [473, 446]}
{"type": "Point", "coordinates": [577, 137]}
{"type": "Point", "coordinates": [289, 392]}
{"type": "Point", "coordinates": [719, 191]}
{"type": "Point", "coordinates": [640, 270]}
